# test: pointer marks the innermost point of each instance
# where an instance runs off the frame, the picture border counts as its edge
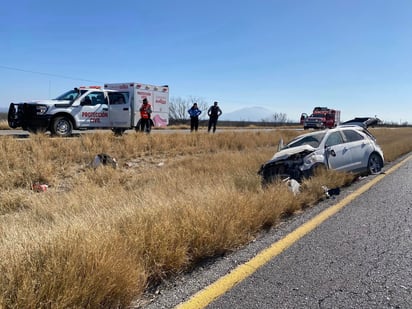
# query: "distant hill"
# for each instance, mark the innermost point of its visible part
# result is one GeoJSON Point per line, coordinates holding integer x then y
{"type": "Point", "coordinates": [4, 109]}
{"type": "Point", "coordinates": [252, 114]}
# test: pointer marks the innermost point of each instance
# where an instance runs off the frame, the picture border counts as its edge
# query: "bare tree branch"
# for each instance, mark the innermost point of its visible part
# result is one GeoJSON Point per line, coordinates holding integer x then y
{"type": "Point", "coordinates": [178, 107]}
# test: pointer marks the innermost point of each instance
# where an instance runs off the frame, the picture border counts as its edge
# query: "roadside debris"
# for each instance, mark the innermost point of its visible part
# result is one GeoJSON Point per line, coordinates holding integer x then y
{"type": "Point", "coordinates": [103, 159]}
{"type": "Point", "coordinates": [331, 192]}
{"type": "Point", "coordinates": [293, 185]}
{"type": "Point", "coordinates": [37, 187]}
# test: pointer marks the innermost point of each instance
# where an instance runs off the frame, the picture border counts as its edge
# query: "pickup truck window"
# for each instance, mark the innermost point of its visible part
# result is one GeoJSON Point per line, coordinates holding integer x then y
{"type": "Point", "coordinates": [94, 98]}
{"type": "Point", "coordinates": [70, 95]}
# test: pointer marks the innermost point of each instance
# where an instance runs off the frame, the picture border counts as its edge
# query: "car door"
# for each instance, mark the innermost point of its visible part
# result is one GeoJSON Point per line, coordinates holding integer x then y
{"type": "Point", "coordinates": [338, 156]}
{"type": "Point", "coordinates": [359, 148]}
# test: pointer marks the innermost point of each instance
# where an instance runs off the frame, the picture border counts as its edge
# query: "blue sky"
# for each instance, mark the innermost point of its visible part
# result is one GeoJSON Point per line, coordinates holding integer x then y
{"type": "Point", "coordinates": [284, 55]}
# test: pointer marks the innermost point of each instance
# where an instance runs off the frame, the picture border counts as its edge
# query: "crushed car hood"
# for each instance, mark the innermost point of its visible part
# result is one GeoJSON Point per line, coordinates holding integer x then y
{"type": "Point", "coordinates": [287, 152]}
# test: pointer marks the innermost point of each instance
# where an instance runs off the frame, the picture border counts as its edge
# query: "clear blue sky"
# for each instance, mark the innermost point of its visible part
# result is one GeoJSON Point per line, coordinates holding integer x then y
{"type": "Point", "coordinates": [285, 55]}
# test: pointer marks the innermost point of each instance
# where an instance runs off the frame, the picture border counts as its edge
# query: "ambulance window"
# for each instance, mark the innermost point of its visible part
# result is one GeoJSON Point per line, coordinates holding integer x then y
{"type": "Point", "coordinates": [117, 98]}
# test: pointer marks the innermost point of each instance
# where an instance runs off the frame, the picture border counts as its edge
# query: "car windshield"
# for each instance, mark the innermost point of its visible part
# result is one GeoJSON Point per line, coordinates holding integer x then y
{"type": "Point", "coordinates": [70, 95]}
{"type": "Point", "coordinates": [311, 139]}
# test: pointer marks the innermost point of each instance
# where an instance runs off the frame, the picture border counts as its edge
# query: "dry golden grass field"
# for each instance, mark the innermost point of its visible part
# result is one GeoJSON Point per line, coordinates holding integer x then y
{"type": "Point", "coordinates": [100, 237]}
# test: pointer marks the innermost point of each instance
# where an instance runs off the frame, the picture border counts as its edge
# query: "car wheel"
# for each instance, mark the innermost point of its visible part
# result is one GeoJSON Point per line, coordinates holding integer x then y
{"type": "Point", "coordinates": [375, 164]}
{"type": "Point", "coordinates": [269, 175]}
{"type": "Point", "coordinates": [317, 169]}
{"type": "Point", "coordinates": [62, 126]}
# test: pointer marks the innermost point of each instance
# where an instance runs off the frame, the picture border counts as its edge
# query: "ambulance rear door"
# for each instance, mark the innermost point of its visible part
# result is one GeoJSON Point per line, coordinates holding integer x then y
{"type": "Point", "coordinates": [141, 92]}
{"type": "Point", "coordinates": [160, 106]}
{"type": "Point", "coordinates": [120, 111]}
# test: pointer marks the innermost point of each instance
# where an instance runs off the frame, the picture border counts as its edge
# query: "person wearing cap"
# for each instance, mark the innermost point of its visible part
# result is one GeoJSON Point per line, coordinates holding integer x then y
{"type": "Point", "coordinates": [194, 113]}
{"type": "Point", "coordinates": [145, 113]}
{"type": "Point", "coordinates": [214, 112]}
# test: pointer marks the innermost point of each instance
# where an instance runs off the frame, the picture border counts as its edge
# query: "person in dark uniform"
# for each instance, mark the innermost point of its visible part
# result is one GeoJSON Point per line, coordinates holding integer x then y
{"type": "Point", "coordinates": [214, 112]}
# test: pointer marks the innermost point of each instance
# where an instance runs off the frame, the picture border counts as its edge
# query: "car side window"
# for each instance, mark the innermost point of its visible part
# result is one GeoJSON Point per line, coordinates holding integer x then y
{"type": "Point", "coordinates": [352, 136]}
{"type": "Point", "coordinates": [334, 139]}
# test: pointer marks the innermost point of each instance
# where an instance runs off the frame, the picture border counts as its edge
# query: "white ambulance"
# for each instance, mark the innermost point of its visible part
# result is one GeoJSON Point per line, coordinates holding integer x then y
{"type": "Point", "coordinates": [114, 106]}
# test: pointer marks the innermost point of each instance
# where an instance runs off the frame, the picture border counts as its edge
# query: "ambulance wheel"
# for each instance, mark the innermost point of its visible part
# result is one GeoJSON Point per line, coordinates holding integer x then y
{"type": "Point", "coordinates": [61, 126]}
{"type": "Point", "coordinates": [118, 131]}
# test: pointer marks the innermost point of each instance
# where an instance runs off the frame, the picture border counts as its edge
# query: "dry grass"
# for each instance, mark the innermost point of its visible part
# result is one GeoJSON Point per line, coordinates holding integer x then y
{"type": "Point", "coordinates": [4, 125]}
{"type": "Point", "coordinates": [100, 237]}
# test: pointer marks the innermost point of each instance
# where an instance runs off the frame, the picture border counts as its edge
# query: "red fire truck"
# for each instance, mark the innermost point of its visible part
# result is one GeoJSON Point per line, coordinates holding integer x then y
{"type": "Point", "coordinates": [321, 118]}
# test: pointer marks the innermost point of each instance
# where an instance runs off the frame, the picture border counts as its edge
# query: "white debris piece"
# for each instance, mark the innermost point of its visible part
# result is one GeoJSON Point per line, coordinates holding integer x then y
{"type": "Point", "coordinates": [293, 185]}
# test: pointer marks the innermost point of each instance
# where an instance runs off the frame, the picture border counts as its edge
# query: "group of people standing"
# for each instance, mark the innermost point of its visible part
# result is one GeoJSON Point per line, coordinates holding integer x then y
{"type": "Point", "coordinates": [213, 112]}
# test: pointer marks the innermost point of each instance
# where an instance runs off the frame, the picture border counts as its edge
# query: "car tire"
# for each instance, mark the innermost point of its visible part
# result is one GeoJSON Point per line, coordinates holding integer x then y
{"type": "Point", "coordinates": [375, 164]}
{"type": "Point", "coordinates": [269, 175]}
{"type": "Point", "coordinates": [316, 169]}
{"type": "Point", "coordinates": [61, 126]}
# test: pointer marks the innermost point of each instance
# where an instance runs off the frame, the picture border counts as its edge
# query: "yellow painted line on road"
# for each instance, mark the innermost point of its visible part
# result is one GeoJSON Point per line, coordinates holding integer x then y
{"type": "Point", "coordinates": [227, 282]}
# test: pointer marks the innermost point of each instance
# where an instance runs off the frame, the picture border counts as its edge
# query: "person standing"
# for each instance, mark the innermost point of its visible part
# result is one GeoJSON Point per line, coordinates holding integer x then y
{"type": "Point", "coordinates": [145, 114]}
{"type": "Point", "coordinates": [214, 112]}
{"type": "Point", "coordinates": [194, 113]}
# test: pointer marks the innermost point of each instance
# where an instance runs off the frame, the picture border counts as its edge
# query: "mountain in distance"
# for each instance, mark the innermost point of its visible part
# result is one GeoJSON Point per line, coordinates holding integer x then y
{"type": "Point", "coordinates": [252, 114]}
{"type": "Point", "coordinates": [4, 109]}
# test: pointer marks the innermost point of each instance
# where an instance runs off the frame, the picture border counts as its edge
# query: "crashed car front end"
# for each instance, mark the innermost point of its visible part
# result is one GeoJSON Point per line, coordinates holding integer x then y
{"type": "Point", "coordinates": [294, 163]}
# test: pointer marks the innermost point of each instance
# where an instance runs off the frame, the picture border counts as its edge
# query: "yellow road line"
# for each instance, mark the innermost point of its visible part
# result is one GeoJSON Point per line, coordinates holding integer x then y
{"type": "Point", "coordinates": [225, 283]}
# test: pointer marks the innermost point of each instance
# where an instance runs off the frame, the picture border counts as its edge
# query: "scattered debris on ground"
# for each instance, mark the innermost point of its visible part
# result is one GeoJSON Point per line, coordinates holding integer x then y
{"type": "Point", "coordinates": [37, 187]}
{"type": "Point", "coordinates": [103, 159]}
{"type": "Point", "coordinates": [293, 185]}
{"type": "Point", "coordinates": [331, 192]}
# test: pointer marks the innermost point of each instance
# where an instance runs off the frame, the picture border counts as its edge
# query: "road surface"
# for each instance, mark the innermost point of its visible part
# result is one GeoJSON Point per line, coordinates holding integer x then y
{"type": "Point", "coordinates": [360, 257]}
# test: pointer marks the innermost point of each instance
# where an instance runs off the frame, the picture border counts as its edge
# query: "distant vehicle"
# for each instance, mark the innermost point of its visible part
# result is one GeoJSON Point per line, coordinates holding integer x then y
{"type": "Point", "coordinates": [321, 118]}
{"type": "Point", "coordinates": [116, 107]}
{"type": "Point", "coordinates": [348, 147]}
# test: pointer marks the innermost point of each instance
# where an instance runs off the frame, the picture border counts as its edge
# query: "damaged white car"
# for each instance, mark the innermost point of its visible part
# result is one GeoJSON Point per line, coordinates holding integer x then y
{"type": "Point", "coordinates": [349, 147]}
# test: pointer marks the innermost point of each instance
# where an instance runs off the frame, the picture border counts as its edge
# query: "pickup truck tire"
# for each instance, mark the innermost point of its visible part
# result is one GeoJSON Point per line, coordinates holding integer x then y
{"type": "Point", "coordinates": [61, 126]}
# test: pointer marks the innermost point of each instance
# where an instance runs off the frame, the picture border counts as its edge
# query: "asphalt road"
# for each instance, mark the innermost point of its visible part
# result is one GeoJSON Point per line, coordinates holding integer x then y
{"type": "Point", "coordinates": [360, 257]}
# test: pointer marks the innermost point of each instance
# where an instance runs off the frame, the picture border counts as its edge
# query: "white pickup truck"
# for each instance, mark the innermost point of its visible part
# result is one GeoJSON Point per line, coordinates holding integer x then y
{"type": "Point", "coordinates": [114, 106]}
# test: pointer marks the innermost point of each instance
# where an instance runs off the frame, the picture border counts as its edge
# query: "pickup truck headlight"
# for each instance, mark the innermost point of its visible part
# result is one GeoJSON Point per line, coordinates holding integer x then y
{"type": "Point", "coordinates": [41, 109]}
